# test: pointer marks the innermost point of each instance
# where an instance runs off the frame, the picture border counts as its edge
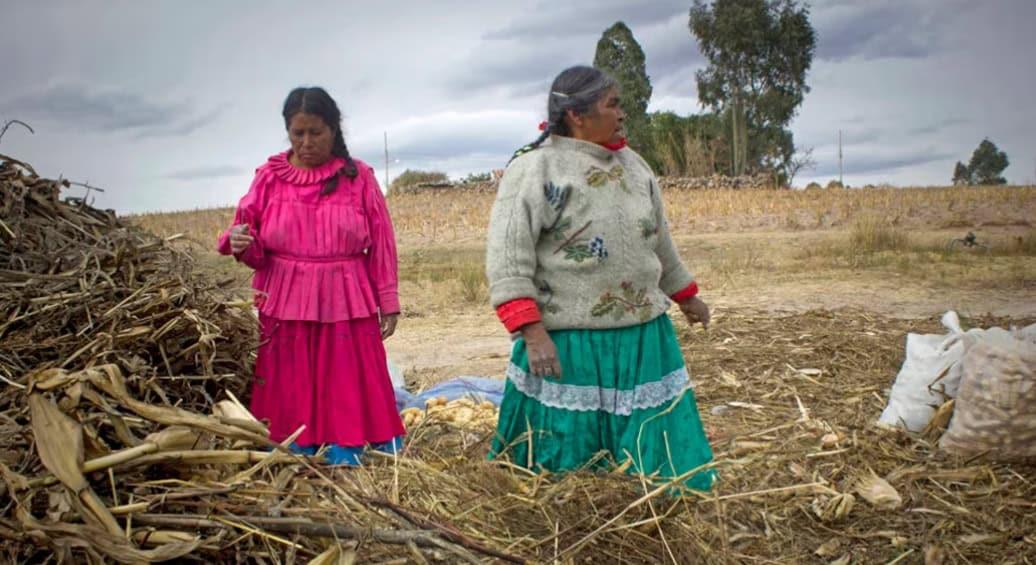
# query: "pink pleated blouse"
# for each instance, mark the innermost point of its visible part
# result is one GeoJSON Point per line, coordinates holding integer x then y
{"type": "Point", "coordinates": [318, 258]}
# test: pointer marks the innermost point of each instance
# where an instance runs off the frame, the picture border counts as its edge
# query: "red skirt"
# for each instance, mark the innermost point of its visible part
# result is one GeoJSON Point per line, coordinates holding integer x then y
{"type": "Point", "coordinates": [330, 377]}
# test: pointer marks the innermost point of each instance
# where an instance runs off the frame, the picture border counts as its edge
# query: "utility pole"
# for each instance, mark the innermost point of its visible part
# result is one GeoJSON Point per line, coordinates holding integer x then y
{"type": "Point", "coordinates": [839, 156]}
{"type": "Point", "coordinates": [386, 164]}
{"type": "Point", "coordinates": [733, 139]}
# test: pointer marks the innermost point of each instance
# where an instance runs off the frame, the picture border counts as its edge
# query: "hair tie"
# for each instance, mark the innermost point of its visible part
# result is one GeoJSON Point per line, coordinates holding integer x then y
{"type": "Point", "coordinates": [543, 126]}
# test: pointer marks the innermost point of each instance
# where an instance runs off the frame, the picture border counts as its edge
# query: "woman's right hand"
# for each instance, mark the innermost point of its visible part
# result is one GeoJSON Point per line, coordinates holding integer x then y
{"type": "Point", "coordinates": [239, 239]}
{"type": "Point", "coordinates": [541, 351]}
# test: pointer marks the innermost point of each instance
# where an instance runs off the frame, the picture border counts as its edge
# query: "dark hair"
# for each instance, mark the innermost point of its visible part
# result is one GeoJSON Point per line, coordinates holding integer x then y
{"type": "Point", "coordinates": [575, 88]}
{"type": "Point", "coordinates": [315, 100]}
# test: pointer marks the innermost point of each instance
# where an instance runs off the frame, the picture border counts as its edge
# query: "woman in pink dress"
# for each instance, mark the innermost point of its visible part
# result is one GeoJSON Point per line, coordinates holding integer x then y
{"type": "Point", "coordinates": [315, 227]}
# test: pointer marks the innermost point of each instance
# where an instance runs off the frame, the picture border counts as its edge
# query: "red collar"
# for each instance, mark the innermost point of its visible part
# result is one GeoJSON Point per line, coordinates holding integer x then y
{"type": "Point", "coordinates": [615, 146]}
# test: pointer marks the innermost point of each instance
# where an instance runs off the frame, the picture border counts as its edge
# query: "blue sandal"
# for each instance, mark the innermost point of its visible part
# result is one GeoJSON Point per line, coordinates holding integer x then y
{"type": "Point", "coordinates": [343, 455]}
{"type": "Point", "coordinates": [309, 450]}
{"type": "Point", "coordinates": [392, 446]}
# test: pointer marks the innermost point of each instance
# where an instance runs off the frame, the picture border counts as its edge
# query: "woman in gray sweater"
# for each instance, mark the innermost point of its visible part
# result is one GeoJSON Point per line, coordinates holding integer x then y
{"type": "Point", "coordinates": [582, 269]}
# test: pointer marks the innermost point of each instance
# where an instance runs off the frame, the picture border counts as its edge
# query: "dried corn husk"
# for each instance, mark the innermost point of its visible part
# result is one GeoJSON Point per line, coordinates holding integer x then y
{"type": "Point", "coordinates": [59, 441]}
{"type": "Point", "coordinates": [878, 492]}
{"type": "Point", "coordinates": [835, 508]}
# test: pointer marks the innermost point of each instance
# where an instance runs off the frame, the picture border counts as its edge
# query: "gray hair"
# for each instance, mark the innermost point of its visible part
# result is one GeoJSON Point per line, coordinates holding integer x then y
{"type": "Point", "coordinates": [577, 89]}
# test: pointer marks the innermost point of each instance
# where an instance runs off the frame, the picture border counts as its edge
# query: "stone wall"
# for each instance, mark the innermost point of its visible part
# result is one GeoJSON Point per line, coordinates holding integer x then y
{"type": "Point", "coordinates": [718, 182]}
{"type": "Point", "coordinates": [715, 182]}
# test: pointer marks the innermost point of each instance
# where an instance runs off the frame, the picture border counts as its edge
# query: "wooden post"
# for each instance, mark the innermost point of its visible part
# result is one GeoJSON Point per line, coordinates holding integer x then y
{"type": "Point", "coordinates": [840, 157]}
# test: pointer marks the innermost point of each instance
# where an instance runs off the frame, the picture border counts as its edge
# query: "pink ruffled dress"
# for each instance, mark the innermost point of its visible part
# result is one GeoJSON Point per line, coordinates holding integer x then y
{"type": "Point", "coordinates": [324, 268]}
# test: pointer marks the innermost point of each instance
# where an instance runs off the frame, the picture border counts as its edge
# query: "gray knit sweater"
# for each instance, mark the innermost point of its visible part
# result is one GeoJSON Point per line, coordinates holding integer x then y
{"type": "Point", "coordinates": [581, 229]}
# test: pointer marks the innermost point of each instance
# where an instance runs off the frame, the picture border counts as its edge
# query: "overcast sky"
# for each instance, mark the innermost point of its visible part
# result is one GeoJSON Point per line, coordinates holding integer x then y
{"type": "Point", "coordinates": [171, 105]}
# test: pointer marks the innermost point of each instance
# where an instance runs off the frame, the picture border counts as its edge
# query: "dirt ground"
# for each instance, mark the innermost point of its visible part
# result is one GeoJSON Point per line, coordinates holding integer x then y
{"type": "Point", "coordinates": [433, 348]}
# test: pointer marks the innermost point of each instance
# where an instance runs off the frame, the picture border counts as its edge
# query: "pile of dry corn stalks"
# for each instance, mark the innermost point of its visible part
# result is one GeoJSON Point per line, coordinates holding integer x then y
{"type": "Point", "coordinates": [121, 439]}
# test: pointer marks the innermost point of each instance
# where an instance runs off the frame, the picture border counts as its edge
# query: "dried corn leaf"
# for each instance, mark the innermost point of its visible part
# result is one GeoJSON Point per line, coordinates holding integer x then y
{"type": "Point", "coordinates": [116, 547]}
{"type": "Point", "coordinates": [829, 548]}
{"type": "Point", "coordinates": [174, 438]}
{"type": "Point", "coordinates": [335, 555]}
{"type": "Point", "coordinates": [937, 425]}
{"type": "Point", "coordinates": [878, 492]}
{"type": "Point", "coordinates": [59, 442]}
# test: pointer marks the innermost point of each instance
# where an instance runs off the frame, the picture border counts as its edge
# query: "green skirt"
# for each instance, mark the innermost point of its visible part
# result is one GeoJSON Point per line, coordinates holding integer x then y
{"type": "Point", "coordinates": [624, 394]}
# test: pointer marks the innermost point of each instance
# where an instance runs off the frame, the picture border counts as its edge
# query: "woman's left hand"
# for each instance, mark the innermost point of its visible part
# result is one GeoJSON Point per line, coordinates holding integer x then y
{"type": "Point", "coordinates": [696, 311]}
{"type": "Point", "coordinates": [388, 325]}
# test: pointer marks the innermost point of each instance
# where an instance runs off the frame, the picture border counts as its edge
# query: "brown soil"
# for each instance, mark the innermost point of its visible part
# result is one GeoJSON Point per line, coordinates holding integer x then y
{"type": "Point", "coordinates": [436, 347]}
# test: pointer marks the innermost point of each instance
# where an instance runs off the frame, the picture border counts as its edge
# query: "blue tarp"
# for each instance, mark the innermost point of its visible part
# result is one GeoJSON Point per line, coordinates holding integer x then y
{"type": "Point", "coordinates": [479, 388]}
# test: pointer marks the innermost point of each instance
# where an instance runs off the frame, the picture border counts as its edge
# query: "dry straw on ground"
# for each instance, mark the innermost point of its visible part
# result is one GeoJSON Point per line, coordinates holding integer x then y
{"type": "Point", "coordinates": [123, 439]}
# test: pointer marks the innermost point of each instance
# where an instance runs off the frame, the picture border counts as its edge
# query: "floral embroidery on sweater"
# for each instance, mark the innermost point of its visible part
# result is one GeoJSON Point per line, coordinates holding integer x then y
{"type": "Point", "coordinates": [578, 252]}
{"type": "Point", "coordinates": [593, 249]}
{"type": "Point", "coordinates": [597, 249]}
{"type": "Point", "coordinates": [648, 227]}
{"type": "Point", "coordinates": [628, 301]}
{"type": "Point", "coordinates": [598, 177]}
{"type": "Point", "coordinates": [557, 196]}
{"type": "Point", "coordinates": [558, 230]}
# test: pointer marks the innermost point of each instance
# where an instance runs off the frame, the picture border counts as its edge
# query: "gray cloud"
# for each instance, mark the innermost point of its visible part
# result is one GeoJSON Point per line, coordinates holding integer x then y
{"type": "Point", "coordinates": [936, 127]}
{"type": "Point", "coordinates": [515, 70]}
{"type": "Point", "coordinates": [182, 128]}
{"type": "Point", "coordinates": [672, 55]}
{"type": "Point", "coordinates": [520, 58]}
{"type": "Point", "coordinates": [852, 135]}
{"type": "Point", "coordinates": [874, 163]}
{"type": "Point", "coordinates": [106, 110]}
{"type": "Point", "coordinates": [434, 138]}
{"type": "Point", "coordinates": [207, 172]}
{"type": "Point", "coordinates": [515, 57]}
{"type": "Point", "coordinates": [551, 20]}
{"type": "Point", "coordinates": [883, 29]}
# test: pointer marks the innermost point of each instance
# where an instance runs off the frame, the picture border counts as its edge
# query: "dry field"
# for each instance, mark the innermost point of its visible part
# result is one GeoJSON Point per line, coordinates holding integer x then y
{"type": "Point", "coordinates": [881, 250]}
{"type": "Point", "coordinates": [813, 293]}
{"type": "Point", "coordinates": [109, 454]}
